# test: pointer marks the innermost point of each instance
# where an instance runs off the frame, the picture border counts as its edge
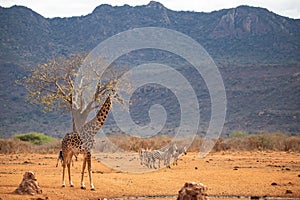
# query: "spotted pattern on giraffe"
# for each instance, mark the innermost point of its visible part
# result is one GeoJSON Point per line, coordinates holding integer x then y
{"type": "Point", "coordinates": [82, 142]}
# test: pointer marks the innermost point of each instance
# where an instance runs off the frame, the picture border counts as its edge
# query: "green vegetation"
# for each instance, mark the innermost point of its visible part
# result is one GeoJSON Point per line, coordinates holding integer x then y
{"type": "Point", "coordinates": [34, 138]}
{"type": "Point", "coordinates": [238, 134]}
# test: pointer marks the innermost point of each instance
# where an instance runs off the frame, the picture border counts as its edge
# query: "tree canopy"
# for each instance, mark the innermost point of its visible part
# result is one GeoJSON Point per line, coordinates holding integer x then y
{"type": "Point", "coordinates": [51, 85]}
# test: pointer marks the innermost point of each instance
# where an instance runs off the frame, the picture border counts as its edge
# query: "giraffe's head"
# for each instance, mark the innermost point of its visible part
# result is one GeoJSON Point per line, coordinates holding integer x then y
{"type": "Point", "coordinates": [113, 94]}
{"type": "Point", "coordinates": [110, 92]}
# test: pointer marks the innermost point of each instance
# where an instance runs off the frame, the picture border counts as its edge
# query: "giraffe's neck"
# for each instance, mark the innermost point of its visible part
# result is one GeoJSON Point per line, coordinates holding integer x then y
{"type": "Point", "coordinates": [93, 126]}
{"type": "Point", "coordinates": [103, 112]}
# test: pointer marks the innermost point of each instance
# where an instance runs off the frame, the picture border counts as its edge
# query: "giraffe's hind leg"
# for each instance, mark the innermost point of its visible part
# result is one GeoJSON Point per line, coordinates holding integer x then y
{"type": "Point", "coordinates": [82, 172]}
{"type": "Point", "coordinates": [66, 163]}
{"type": "Point", "coordinates": [89, 162]}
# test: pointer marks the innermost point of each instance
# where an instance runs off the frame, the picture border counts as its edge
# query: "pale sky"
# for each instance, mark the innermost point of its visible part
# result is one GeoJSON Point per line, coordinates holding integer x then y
{"type": "Point", "coordinates": [68, 8]}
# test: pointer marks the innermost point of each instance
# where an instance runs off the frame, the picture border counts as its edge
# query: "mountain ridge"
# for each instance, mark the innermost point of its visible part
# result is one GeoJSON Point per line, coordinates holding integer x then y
{"type": "Point", "coordinates": [228, 24]}
{"type": "Point", "coordinates": [257, 52]}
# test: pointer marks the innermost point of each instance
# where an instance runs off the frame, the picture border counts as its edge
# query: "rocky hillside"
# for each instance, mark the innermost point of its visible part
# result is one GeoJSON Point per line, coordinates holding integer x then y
{"type": "Point", "coordinates": [257, 51]}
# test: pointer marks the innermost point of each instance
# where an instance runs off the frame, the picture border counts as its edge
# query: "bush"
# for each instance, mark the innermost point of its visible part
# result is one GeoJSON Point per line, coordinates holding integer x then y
{"type": "Point", "coordinates": [16, 146]}
{"type": "Point", "coordinates": [292, 144]}
{"type": "Point", "coordinates": [238, 134]}
{"type": "Point", "coordinates": [262, 141]}
{"type": "Point", "coordinates": [34, 138]}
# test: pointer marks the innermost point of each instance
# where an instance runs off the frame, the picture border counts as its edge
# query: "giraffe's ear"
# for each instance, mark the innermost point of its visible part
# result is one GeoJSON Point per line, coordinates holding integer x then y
{"type": "Point", "coordinates": [117, 97]}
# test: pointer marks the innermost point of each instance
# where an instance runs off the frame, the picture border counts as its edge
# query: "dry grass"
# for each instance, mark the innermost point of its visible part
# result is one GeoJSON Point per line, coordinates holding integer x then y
{"type": "Point", "coordinates": [265, 141]}
{"type": "Point", "coordinates": [15, 146]}
{"type": "Point", "coordinates": [253, 142]}
{"type": "Point", "coordinates": [130, 143]}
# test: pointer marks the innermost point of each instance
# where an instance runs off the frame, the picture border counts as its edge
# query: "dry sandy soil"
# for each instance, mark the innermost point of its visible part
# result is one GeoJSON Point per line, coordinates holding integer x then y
{"type": "Point", "coordinates": [224, 173]}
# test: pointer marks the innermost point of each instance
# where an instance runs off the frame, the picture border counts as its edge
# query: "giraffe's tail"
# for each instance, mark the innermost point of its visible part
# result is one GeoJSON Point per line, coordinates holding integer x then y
{"type": "Point", "coordinates": [60, 157]}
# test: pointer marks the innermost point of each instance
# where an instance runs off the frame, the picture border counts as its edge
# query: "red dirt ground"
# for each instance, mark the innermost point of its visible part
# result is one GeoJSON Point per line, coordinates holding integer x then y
{"type": "Point", "coordinates": [224, 173]}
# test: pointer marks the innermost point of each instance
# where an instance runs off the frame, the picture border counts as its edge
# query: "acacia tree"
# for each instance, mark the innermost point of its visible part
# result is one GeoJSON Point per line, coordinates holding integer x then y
{"type": "Point", "coordinates": [51, 85]}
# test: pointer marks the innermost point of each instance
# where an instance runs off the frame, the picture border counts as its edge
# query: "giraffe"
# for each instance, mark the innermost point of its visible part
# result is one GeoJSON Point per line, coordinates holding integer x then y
{"type": "Point", "coordinates": [82, 141]}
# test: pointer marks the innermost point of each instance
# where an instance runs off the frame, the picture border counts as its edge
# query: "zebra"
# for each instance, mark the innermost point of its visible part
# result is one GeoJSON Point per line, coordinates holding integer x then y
{"type": "Point", "coordinates": [144, 155]}
{"type": "Point", "coordinates": [165, 155]}
{"type": "Point", "coordinates": [141, 155]}
{"type": "Point", "coordinates": [148, 158]}
{"type": "Point", "coordinates": [178, 152]}
{"type": "Point", "coordinates": [61, 158]}
{"type": "Point", "coordinates": [160, 155]}
{"type": "Point", "coordinates": [167, 159]}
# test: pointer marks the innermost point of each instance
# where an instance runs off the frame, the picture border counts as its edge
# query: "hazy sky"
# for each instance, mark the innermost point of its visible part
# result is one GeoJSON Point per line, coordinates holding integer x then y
{"type": "Point", "coordinates": [68, 8]}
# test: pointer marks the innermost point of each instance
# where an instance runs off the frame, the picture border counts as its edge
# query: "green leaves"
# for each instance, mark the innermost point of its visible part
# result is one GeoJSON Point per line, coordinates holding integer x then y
{"type": "Point", "coordinates": [34, 138]}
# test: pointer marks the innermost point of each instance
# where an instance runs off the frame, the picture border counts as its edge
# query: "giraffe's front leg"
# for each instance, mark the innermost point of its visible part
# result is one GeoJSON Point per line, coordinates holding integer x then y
{"type": "Point", "coordinates": [69, 172]}
{"type": "Point", "coordinates": [63, 175]}
{"type": "Point", "coordinates": [82, 172]}
{"type": "Point", "coordinates": [89, 161]}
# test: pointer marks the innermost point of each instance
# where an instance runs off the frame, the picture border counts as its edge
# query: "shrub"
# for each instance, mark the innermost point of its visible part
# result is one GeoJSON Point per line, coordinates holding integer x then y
{"type": "Point", "coordinates": [52, 147]}
{"type": "Point", "coordinates": [34, 138]}
{"type": "Point", "coordinates": [292, 144]}
{"type": "Point", "coordinates": [259, 142]}
{"type": "Point", "coordinates": [262, 141]}
{"type": "Point", "coordinates": [16, 146]}
{"type": "Point", "coordinates": [237, 134]}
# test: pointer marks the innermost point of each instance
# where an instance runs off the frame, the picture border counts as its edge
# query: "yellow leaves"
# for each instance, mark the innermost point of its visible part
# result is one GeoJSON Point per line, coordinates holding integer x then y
{"type": "Point", "coordinates": [51, 84]}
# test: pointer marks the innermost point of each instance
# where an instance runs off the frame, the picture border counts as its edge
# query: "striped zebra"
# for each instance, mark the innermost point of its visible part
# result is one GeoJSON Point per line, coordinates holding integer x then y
{"type": "Point", "coordinates": [165, 155]}
{"type": "Point", "coordinates": [159, 156]}
{"type": "Point", "coordinates": [146, 158]}
{"type": "Point", "coordinates": [149, 159]}
{"type": "Point", "coordinates": [141, 155]}
{"type": "Point", "coordinates": [179, 152]}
